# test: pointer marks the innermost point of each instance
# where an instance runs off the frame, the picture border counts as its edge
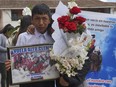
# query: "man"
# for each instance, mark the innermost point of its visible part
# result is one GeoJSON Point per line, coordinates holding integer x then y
{"type": "Point", "coordinates": [41, 19]}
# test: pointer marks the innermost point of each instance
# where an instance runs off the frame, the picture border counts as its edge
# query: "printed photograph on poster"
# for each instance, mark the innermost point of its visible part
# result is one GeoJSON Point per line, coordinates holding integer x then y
{"type": "Point", "coordinates": [31, 63]}
{"type": "Point", "coordinates": [104, 30]}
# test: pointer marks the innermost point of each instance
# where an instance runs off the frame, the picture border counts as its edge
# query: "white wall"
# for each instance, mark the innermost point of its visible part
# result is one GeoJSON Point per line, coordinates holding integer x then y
{"type": "Point", "coordinates": [7, 18]}
{"type": "Point", "coordinates": [113, 11]}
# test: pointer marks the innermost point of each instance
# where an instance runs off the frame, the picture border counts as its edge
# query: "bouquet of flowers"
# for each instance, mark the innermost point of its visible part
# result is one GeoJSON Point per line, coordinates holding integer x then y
{"type": "Point", "coordinates": [72, 40]}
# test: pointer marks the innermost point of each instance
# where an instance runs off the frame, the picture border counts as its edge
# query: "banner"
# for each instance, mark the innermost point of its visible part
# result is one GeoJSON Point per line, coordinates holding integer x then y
{"type": "Point", "coordinates": [103, 26]}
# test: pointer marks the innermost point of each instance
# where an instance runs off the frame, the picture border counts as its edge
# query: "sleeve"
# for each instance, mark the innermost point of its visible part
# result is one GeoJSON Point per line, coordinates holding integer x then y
{"type": "Point", "coordinates": [3, 49]}
{"type": "Point", "coordinates": [75, 81]}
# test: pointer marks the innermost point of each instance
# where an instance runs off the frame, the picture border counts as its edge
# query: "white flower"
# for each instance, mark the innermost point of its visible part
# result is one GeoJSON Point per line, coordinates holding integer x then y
{"type": "Point", "coordinates": [19, 21]}
{"type": "Point", "coordinates": [72, 4]}
{"type": "Point", "coordinates": [57, 66]}
{"type": "Point", "coordinates": [26, 11]}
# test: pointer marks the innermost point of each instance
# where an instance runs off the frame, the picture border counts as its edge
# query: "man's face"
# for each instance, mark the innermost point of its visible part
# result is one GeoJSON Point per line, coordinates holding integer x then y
{"type": "Point", "coordinates": [41, 22]}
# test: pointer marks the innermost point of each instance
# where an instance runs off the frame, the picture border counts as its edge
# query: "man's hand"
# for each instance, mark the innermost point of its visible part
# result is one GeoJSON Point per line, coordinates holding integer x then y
{"type": "Point", "coordinates": [31, 29]}
{"type": "Point", "coordinates": [8, 64]}
{"type": "Point", "coordinates": [63, 82]}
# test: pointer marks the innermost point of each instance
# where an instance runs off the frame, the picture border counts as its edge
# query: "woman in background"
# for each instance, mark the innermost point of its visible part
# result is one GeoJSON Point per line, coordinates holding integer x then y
{"type": "Point", "coordinates": [25, 22]}
{"type": "Point", "coordinates": [4, 35]}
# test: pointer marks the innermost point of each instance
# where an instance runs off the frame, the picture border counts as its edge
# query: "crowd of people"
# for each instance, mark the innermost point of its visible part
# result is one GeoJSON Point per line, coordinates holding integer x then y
{"type": "Point", "coordinates": [36, 29]}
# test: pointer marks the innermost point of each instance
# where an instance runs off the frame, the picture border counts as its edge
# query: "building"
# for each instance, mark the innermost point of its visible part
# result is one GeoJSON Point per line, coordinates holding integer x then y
{"type": "Point", "coordinates": [11, 10]}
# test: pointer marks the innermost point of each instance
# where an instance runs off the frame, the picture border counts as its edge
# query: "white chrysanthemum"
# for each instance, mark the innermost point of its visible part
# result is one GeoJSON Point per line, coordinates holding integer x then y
{"type": "Point", "coordinates": [72, 4]}
{"type": "Point", "coordinates": [26, 11]}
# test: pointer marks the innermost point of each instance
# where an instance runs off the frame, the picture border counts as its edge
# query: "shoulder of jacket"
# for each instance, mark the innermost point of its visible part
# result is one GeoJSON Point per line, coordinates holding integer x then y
{"type": "Point", "coordinates": [25, 34]}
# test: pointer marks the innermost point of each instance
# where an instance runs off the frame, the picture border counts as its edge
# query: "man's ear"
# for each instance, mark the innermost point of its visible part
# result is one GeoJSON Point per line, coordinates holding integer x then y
{"type": "Point", "coordinates": [49, 21]}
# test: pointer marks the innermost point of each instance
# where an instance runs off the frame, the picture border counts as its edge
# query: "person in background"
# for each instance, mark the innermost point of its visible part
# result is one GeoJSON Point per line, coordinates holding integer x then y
{"type": "Point", "coordinates": [15, 31]}
{"type": "Point", "coordinates": [4, 35]}
{"type": "Point", "coordinates": [25, 22]}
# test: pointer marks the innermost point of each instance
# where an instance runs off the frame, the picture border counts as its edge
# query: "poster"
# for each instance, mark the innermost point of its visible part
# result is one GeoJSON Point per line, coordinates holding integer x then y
{"type": "Point", "coordinates": [103, 26]}
{"type": "Point", "coordinates": [31, 64]}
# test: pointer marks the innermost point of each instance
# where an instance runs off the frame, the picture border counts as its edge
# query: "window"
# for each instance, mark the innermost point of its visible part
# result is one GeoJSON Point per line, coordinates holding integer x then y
{"type": "Point", "coordinates": [16, 14]}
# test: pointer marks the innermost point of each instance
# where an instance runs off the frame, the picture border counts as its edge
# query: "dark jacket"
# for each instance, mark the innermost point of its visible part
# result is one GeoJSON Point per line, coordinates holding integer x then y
{"type": "Point", "coordinates": [75, 81]}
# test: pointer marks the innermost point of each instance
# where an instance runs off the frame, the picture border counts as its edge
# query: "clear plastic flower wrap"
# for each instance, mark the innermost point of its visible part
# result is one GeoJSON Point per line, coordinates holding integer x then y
{"type": "Point", "coordinates": [72, 40]}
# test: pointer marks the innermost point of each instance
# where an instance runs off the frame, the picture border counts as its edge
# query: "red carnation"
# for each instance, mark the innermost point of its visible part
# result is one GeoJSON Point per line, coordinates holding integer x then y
{"type": "Point", "coordinates": [75, 10]}
{"type": "Point", "coordinates": [62, 20]}
{"type": "Point", "coordinates": [80, 19]}
{"type": "Point", "coordinates": [71, 26]}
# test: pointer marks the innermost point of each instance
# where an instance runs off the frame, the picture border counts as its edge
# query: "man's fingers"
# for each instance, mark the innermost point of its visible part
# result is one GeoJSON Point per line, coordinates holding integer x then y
{"type": "Point", "coordinates": [7, 64]}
